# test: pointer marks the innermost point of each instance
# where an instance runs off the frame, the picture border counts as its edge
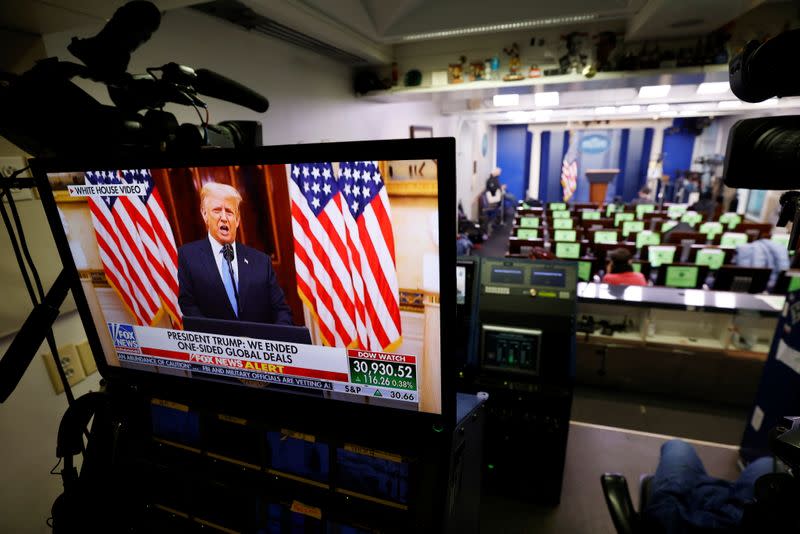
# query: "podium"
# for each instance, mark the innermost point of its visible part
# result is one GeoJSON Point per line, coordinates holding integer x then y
{"type": "Point", "coordinates": [598, 183]}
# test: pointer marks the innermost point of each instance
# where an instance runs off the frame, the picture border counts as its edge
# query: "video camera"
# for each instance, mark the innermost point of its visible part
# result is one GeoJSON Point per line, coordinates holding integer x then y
{"type": "Point", "coordinates": [43, 112]}
{"type": "Point", "coordinates": [764, 153]}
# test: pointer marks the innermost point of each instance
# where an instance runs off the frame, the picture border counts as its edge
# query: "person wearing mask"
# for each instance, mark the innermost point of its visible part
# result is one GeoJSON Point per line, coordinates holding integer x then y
{"type": "Point", "coordinates": [619, 271]}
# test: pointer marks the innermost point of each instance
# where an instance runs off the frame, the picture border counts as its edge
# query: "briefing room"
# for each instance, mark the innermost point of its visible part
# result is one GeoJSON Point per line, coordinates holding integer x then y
{"type": "Point", "coordinates": [231, 302]}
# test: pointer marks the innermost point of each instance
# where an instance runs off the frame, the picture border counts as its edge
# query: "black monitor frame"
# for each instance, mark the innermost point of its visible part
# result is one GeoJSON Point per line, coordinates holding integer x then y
{"type": "Point", "coordinates": [203, 391]}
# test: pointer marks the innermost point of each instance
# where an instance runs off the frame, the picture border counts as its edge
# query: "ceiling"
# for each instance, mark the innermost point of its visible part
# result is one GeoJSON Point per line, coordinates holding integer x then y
{"type": "Point", "coordinates": [387, 22]}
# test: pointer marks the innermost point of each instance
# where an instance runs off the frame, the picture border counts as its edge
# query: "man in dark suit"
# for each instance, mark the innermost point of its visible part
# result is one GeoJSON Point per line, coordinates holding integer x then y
{"type": "Point", "coordinates": [221, 279]}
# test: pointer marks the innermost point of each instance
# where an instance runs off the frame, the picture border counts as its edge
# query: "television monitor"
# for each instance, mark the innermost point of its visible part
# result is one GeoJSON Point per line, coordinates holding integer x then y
{"type": "Point", "coordinates": [622, 216]}
{"type": "Point", "coordinates": [711, 228]}
{"type": "Point", "coordinates": [564, 235]}
{"type": "Point", "coordinates": [605, 237]}
{"type": "Point", "coordinates": [637, 267]}
{"type": "Point", "coordinates": [560, 214]}
{"type": "Point", "coordinates": [590, 215]}
{"type": "Point", "coordinates": [641, 209]}
{"type": "Point", "coordinates": [657, 255]}
{"type": "Point", "coordinates": [632, 227]}
{"type": "Point", "coordinates": [585, 270]}
{"type": "Point", "coordinates": [528, 233]}
{"type": "Point", "coordinates": [691, 218]}
{"type": "Point", "coordinates": [731, 219]}
{"type": "Point", "coordinates": [666, 226]}
{"type": "Point", "coordinates": [570, 251]}
{"type": "Point", "coordinates": [557, 206]}
{"type": "Point", "coordinates": [674, 211]}
{"type": "Point", "coordinates": [781, 239]}
{"type": "Point", "coordinates": [647, 237]}
{"type": "Point", "coordinates": [610, 208]}
{"type": "Point", "coordinates": [684, 276]}
{"type": "Point", "coordinates": [529, 222]}
{"type": "Point", "coordinates": [562, 224]}
{"type": "Point", "coordinates": [320, 240]}
{"type": "Point", "coordinates": [733, 239]}
{"type": "Point", "coordinates": [713, 257]}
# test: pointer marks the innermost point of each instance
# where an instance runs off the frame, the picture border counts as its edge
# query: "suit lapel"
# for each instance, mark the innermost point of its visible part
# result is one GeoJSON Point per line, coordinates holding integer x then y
{"type": "Point", "coordinates": [212, 274]}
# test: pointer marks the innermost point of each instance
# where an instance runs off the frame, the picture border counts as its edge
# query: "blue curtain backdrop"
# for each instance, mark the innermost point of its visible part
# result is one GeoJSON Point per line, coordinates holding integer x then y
{"type": "Point", "coordinates": [678, 147]}
{"type": "Point", "coordinates": [513, 157]}
{"type": "Point", "coordinates": [625, 149]}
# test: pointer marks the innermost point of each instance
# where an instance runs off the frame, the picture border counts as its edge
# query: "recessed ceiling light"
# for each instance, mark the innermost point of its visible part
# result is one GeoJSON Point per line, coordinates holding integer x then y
{"type": "Point", "coordinates": [713, 88]}
{"type": "Point", "coordinates": [730, 104]}
{"type": "Point", "coordinates": [520, 25]}
{"type": "Point", "coordinates": [654, 91]}
{"type": "Point", "coordinates": [630, 109]}
{"type": "Point", "coordinates": [506, 100]}
{"type": "Point", "coordinates": [605, 110]}
{"type": "Point", "coordinates": [546, 99]}
{"type": "Point", "coordinates": [657, 107]}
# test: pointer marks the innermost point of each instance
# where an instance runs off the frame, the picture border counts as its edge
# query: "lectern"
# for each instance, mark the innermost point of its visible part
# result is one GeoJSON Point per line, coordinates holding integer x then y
{"type": "Point", "coordinates": [598, 183]}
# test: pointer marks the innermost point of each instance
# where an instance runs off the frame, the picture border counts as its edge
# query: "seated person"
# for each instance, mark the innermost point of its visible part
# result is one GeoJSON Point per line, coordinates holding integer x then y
{"type": "Point", "coordinates": [496, 192]}
{"type": "Point", "coordinates": [766, 254]}
{"type": "Point", "coordinates": [684, 498]}
{"type": "Point", "coordinates": [705, 205]}
{"type": "Point", "coordinates": [619, 271]}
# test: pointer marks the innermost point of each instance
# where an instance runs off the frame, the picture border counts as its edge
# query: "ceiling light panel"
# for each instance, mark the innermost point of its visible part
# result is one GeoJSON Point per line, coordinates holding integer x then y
{"type": "Point", "coordinates": [546, 99]}
{"type": "Point", "coordinates": [713, 88]}
{"type": "Point", "coordinates": [491, 28]}
{"type": "Point", "coordinates": [654, 91]}
{"type": "Point", "coordinates": [505, 100]}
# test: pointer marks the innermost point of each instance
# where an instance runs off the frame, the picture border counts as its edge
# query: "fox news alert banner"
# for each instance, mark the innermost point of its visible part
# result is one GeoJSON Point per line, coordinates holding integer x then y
{"type": "Point", "coordinates": [351, 372]}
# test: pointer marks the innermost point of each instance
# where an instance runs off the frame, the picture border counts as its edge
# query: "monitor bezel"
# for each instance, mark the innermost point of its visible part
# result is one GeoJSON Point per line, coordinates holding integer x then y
{"type": "Point", "coordinates": [441, 149]}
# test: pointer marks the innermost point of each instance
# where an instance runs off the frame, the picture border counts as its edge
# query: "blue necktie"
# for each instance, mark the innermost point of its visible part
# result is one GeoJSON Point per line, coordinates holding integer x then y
{"type": "Point", "coordinates": [227, 281]}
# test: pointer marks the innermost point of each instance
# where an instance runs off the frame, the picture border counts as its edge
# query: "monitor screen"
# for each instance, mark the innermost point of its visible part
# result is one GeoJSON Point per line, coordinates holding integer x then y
{"type": "Point", "coordinates": [637, 267]}
{"type": "Point", "coordinates": [529, 222]}
{"type": "Point", "coordinates": [646, 237]}
{"type": "Point", "coordinates": [611, 208]}
{"type": "Point", "coordinates": [564, 235]}
{"type": "Point", "coordinates": [632, 227]}
{"type": "Point", "coordinates": [569, 251]}
{"type": "Point", "coordinates": [733, 239]}
{"type": "Point", "coordinates": [590, 215]}
{"type": "Point", "coordinates": [507, 275]}
{"type": "Point", "coordinates": [562, 224]}
{"type": "Point", "coordinates": [622, 216]}
{"type": "Point", "coordinates": [713, 257]}
{"type": "Point", "coordinates": [557, 206]}
{"type": "Point", "coordinates": [691, 218]}
{"type": "Point", "coordinates": [660, 254]}
{"type": "Point", "coordinates": [681, 276]}
{"type": "Point", "coordinates": [554, 278]}
{"type": "Point", "coordinates": [461, 284]}
{"type": "Point", "coordinates": [668, 225]}
{"type": "Point", "coordinates": [605, 236]}
{"type": "Point", "coordinates": [641, 209]}
{"type": "Point", "coordinates": [711, 228]}
{"type": "Point", "coordinates": [278, 268]}
{"type": "Point", "coordinates": [676, 210]}
{"type": "Point", "coordinates": [527, 233]}
{"type": "Point", "coordinates": [731, 219]}
{"type": "Point", "coordinates": [561, 214]}
{"type": "Point", "coordinates": [584, 270]}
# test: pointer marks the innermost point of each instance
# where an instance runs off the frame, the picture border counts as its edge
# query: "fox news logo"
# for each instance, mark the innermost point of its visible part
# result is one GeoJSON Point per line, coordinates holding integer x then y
{"type": "Point", "coordinates": [124, 337]}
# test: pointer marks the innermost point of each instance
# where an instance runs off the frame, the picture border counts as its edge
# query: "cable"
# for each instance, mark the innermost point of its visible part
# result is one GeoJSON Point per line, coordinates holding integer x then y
{"type": "Point", "coordinates": [21, 251]}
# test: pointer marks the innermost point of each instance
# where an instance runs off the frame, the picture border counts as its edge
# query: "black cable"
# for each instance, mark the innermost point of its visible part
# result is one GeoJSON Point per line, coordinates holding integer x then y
{"type": "Point", "coordinates": [21, 251]}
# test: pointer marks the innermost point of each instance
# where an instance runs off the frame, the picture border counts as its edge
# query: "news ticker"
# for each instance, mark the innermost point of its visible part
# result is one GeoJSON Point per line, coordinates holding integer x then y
{"type": "Point", "coordinates": [335, 369]}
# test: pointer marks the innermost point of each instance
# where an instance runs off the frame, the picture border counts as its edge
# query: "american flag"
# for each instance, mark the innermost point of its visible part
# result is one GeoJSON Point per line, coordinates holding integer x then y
{"type": "Point", "coordinates": [569, 170]}
{"type": "Point", "coordinates": [136, 245]}
{"type": "Point", "coordinates": [344, 253]}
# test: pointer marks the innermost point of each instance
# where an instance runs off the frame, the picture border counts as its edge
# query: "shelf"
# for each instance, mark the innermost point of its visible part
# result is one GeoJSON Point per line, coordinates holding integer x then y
{"type": "Point", "coordinates": [602, 80]}
{"type": "Point", "coordinates": [704, 343]}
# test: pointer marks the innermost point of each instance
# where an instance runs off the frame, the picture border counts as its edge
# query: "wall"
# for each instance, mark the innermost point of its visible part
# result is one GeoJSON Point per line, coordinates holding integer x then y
{"type": "Point", "coordinates": [311, 97]}
{"type": "Point", "coordinates": [475, 154]}
{"type": "Point", "coordinates": [310, 101]}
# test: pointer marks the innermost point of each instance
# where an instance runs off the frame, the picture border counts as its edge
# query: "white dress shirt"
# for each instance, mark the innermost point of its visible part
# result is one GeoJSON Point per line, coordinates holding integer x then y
{"type": "Point", "coordinates": [216, 248]}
